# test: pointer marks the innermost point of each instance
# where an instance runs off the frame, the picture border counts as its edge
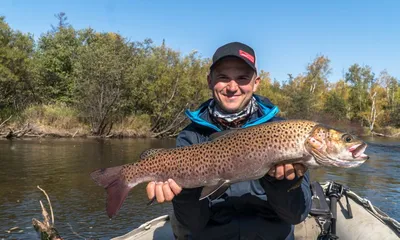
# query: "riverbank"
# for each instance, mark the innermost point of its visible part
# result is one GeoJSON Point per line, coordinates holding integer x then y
{"type": "Point", "coordinates": [60, 121]}
{"type": "Point", "coordinates": [37, 130]}
{"type": "Point", "coordinates": [133, 127]}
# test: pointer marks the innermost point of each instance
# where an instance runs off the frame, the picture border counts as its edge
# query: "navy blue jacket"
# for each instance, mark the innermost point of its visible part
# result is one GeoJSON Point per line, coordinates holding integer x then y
{"type": "Point", "coordinates": [265, 200]}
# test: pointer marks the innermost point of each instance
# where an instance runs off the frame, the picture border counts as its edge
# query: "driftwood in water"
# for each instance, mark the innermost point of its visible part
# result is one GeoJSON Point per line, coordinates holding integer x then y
{"type": "Point", "coordinates": [385, 135]}
{"type": "Point", "coordinates": [46, 229]}
{"type": "Point", "coordinates": [30, 130]}
{"type": "Point", "coordinates": [18, 133]}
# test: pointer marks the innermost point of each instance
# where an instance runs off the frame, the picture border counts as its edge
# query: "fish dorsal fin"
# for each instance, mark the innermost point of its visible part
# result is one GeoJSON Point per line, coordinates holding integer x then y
{"type": "Point", "coordinates": [150, 152]}
{"type": "Point", "coordinates": [221, 134]}
{"type": "Point", "coordinates": [209, 190]}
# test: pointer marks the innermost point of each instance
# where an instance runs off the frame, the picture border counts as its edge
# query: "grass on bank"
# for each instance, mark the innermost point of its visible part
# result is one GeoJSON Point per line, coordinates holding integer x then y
{"type": "Point", "coordinates": [132, 126]}
{"type": "Point", "coordinates": [56, 119]}
{"type": "Point", "coordinates": [63, 121]}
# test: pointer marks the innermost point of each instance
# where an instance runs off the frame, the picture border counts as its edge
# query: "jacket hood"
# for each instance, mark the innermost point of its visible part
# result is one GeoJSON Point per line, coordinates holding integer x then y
{"type": "Point", "coordinates": [201, 117]}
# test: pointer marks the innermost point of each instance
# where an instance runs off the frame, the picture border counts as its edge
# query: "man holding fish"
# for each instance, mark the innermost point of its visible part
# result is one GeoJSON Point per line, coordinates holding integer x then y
{"type": "Point", "coordinates": [238, 171]}
{"type": "Point", "coordinates": [257, 208]}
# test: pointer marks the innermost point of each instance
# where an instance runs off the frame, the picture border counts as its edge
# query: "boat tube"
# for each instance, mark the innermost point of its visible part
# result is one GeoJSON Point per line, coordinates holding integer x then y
{"type": "Point", "coordinates": [337, 213]}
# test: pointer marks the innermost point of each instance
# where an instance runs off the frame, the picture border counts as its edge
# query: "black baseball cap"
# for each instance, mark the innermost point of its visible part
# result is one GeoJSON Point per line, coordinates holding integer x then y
{"type": "Point", "coordinates": [235, 49]}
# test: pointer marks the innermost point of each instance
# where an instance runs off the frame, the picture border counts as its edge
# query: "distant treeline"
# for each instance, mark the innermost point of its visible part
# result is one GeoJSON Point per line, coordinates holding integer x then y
{"type": "Point", "coordinates": [104, 81]}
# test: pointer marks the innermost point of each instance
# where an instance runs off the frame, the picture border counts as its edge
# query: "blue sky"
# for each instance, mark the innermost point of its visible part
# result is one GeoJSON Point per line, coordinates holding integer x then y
{"type": "Point", "coordinates": [286, 35]}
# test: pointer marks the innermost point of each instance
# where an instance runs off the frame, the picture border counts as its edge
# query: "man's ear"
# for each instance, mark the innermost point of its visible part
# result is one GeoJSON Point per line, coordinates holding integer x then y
{"type": "Point", "coordinates": [256, 83]}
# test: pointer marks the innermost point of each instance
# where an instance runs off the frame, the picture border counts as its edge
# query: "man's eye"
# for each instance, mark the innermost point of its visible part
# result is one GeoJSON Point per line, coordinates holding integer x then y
{"type": "Point", "coordinates": [244, 80]}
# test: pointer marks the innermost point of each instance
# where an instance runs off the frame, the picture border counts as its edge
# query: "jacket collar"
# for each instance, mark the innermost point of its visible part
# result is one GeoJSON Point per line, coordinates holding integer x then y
{"type": "Point", "coordinates": [267, 109]}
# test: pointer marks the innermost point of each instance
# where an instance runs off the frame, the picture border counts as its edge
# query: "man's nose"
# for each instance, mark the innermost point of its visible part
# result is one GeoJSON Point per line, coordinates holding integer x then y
{"type": "Point", "coordinates": [232, 86]}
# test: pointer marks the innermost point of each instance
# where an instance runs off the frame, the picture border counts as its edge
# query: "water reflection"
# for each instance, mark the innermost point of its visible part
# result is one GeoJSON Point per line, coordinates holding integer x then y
{"type": "Point", "coordinates": [62, 167]}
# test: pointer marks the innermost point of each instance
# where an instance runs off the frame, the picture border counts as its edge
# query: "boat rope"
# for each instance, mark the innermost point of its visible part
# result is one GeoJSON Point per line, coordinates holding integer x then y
{"type": "Point", "coordinates": [375, 211]}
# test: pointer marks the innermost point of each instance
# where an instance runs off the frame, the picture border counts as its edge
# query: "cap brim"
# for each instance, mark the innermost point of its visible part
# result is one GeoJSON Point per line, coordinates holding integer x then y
{"type": "Point", "coordinates": [241, 58]}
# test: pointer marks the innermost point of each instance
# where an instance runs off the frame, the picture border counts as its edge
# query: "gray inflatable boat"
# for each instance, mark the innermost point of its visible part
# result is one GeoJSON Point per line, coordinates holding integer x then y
{"type": "Point", "coordinates": [337, 214]}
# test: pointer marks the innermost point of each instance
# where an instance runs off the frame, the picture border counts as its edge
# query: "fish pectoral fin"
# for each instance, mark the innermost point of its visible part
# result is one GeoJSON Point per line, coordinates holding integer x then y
{"type": "Point", "coordinates": [209, 190]}
{"type": "Point", "coordinates": [315, 143]}
{"type": "Point", "coordinates": [296, 184]}
{"type": "Point", "coordinates": [219, 192]}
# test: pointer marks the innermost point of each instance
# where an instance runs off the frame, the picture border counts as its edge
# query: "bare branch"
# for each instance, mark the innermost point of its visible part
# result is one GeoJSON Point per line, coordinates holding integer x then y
{"type": "Point", "coordinates": [5, 121]}
{"type": "Point", "coordinates": [46, 228]}
{"type": "Point", "coordinates": [48, 199]}
{"type": "Point", "coordinates": [172, 125]}
{"type": "Point", "coordinates": [165, 105]}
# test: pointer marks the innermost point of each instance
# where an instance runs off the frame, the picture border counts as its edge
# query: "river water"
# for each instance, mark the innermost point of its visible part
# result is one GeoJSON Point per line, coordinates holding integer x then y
{"type": "Point", "coordinates": [62, 167]}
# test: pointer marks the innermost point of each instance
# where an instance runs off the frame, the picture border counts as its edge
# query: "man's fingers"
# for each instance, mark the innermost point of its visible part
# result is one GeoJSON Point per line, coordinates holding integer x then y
{"type": "Point", "coordinates": [168, 194]}
{"type": "Point", "coordinates": [300, 169]}
{"type": "Point", "coordinates": [150, 189]}
{"type": "Point", "coordinates": [176, 189]}
{"type": "Point", "coordinates": [289, 172]}
{"type": "Point", "coordinates": [271, 172]}
{"type": "Point", "coordinates": [159, 192]}
{"type": "Point", "coordinates": [279, 172]}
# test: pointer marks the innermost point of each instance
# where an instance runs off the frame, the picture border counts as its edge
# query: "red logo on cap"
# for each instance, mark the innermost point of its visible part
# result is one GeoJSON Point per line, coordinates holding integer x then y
{"type": "Point", "coordinates": [246, 55]}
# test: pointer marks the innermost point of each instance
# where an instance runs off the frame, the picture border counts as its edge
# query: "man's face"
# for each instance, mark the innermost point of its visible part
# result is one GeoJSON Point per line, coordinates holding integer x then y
{"type": "Point", "coordinates": [233, 83]}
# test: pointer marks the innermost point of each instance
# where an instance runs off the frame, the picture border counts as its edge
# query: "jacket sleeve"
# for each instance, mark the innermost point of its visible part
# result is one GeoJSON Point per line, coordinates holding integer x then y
{"type": "Point", "coordinates": [189, 211]}
{"type": "Point", "coordinates": [293, 206]}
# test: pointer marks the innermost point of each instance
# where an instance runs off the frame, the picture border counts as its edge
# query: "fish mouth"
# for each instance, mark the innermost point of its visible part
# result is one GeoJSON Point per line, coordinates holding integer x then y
{"type": "Point", "coordinates": [348, 163]}
{"type": "Point", "coordinates": [359, 157]}
{"type": "Point", "coordinates": [358, 151]}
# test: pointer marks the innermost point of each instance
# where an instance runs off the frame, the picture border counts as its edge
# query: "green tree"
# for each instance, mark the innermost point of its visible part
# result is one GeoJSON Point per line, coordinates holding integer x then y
{"type": "Point", "coordinates": [360, 80]}
{"type": "Point", "coordinates": [101, 74]}
{"type": "Point", "coordinates": [54, 61]}
{"type": "Point", "coordinates": [273, 91]}
{"type": "Point", "coordinates": [395, 114]}
{"type": "Point", "coordinates": [62, 22]}
{"type": "Point", "coordinates": [165, 84]}
{"type": "Point", "coordinates": [335, 106]}
{"type": "Point", "coordinates": [316, 79]}
{"type": "Point", "coordinates": [306, 91]}
{"type": "Point", "coordinates": [341, 91]}
{"type": "Point", "coordinates": [16, 50]}
{"type": "Point", "coordinates": [391, 85]}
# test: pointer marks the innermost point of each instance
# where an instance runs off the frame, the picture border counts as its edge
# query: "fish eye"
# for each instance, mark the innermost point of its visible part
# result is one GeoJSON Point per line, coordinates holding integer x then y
{"type": "Point", "coordinates": [347, 138]}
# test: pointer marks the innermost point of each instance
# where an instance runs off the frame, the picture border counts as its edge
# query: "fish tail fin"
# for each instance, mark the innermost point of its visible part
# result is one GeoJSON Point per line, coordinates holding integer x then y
{"type": "Point", "coordinates": [116, 186]}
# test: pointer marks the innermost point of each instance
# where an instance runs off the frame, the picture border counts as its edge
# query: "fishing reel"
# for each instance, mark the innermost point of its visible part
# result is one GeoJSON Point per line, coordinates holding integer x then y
{"type": "Point", "coordinates": [335, 190]}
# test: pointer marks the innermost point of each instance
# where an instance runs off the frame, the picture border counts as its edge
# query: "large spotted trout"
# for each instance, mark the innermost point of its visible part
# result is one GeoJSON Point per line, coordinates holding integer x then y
{"type": "Point", "coordinates": [238, 155]}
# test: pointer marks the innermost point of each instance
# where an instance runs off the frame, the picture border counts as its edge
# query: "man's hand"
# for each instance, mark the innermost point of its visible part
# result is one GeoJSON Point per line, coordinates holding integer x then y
{"type": "Point", "coordinates": [288, 171]}
{"type": "Point", "coordinates": [166, 191]}
{"type": "Point", "coordinates": [163, 191]}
